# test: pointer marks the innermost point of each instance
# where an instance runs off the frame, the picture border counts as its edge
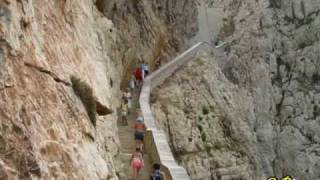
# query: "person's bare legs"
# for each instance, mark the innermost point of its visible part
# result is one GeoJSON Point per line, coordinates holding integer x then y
{"type": "Point", "coordinates": [135, 173]}
{"type": "Point", "coordinates": [140, 86]}
{"type": "Point", "coordinates": [138, 172]}
{"type": "Point", "coordinates": [141, 145]}
{"type": "Point", "coordinates": [126, 120]}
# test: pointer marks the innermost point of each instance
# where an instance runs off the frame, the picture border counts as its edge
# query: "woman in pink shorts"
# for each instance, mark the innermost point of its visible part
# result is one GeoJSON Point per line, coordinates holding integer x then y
{"type": "Point", "coordinates": [136, 163]}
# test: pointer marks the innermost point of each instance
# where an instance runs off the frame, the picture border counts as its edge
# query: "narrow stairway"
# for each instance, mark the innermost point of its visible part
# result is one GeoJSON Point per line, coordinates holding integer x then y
{"type": "Point", "coordinates": [126, 136]}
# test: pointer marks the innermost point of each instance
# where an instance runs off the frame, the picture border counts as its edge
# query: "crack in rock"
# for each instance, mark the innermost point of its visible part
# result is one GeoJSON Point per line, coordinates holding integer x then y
{"type": "Point", "coordinates": [53, 75]}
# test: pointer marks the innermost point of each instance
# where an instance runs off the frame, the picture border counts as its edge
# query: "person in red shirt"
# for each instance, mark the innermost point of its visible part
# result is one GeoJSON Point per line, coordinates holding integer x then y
{"type": "Point", "coordinates": [138, 76]}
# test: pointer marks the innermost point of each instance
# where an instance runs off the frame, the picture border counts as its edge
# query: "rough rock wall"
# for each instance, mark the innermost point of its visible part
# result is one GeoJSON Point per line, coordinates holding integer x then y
{"type": "Point", "coordinates": [282, 74]}
{"type": "Point", "coordinates": [255, 112]}
{"type": "Point", "coordinates": [45, 130]}
{"type": "Point", "coordinates": [201, 112]}
{"type": "Point", "coordinates": [45, 127]}
{"type": "Point", "coordinates": [150, 30]}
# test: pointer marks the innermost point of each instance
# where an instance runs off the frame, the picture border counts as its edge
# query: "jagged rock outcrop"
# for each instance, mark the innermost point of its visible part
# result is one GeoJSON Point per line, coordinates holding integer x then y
{"type": "Point", "coordinates": [55, 127]}
{"type": "Point", "coordinates": [254, 112]}
{"type": "Point", "coordinates": [45, 129]}
{"type": "Point", "coordinates": [150, 30]}
{"type": "Point", "coordinates": [208, 107]}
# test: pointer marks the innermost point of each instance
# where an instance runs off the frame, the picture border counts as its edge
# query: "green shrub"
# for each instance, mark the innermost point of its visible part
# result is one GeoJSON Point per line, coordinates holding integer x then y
{"type": "Point", "coordinates": [203, 137]}
{"type": "Point", "coordinates": [85, 93]}
{"type": "Point", "coordinates": [217, 146]}
{"type": "Point", "coordinates": [200, 128]}
{"type": "Point", "coordinates": [207, 148]}
{"type": "Point", "coordinates": [316, 78]}
{"type": "Point", "coordinates": [205, 110]}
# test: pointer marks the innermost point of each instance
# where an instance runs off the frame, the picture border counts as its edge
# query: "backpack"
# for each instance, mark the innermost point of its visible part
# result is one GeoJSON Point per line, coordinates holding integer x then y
{"type": "Point", "coordinates": [156, 175]}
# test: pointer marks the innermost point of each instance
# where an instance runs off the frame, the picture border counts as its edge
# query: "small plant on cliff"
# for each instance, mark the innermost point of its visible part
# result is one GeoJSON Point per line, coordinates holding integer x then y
{"type": "Point", "coordinates": [200, 128]}
{"type": "Point", "coordinates": [207, 148]}
{"type": "Point", "coordinates": [85, 93]}
{"type": "Point", "coordinates": [205, 110]}
{"type": "Point", "coordinates": [316, 78]}
{"type": "Point", "coordinates": [203, 137]}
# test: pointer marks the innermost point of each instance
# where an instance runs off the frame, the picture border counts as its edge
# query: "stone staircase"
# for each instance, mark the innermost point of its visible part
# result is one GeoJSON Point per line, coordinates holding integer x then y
{"type": "Point", "coordinates": [126, 136]}
{"type": "Point", "coordinates": [156, 139]}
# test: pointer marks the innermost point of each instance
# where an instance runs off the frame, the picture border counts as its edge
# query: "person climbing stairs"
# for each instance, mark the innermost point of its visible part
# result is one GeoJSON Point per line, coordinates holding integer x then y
{"type": "Point", "coordinates": [128, 146]}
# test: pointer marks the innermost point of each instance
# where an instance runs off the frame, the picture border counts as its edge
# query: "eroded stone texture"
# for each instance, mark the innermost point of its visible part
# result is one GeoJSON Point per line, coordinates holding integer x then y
{"type": "Point", "coordinates": [253, 112]}
{"type": "Point", "coordinates": [45, 131]}
{"type": "Point", "coordinates": [44, 127]}
{"type": "Point", "coordinates": [150, 30]}
{"type": "Point", "coordinates": [203, 116]}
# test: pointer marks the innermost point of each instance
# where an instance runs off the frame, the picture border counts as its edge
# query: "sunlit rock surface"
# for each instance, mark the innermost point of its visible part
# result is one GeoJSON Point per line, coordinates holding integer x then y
{"type": "Point", "coordinates": [45, 131]}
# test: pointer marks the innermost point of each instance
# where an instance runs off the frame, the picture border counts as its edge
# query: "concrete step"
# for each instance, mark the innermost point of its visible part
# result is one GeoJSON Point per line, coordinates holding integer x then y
{"type": "Point", "coordinates": [128, 145]}
{"type": "Point", "coordinates": [127, 141]}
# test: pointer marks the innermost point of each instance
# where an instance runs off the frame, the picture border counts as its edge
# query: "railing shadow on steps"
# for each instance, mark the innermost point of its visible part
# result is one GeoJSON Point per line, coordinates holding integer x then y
{"type": "Point", "coordinates": [155, 140]}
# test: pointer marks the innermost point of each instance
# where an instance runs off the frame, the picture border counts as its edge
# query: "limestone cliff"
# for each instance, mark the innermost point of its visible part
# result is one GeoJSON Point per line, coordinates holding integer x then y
{"type": "Point", "coordinates": [150, 30]}
{"type": "Point", "coordinates": [252, 112]}
{"type": "Point", "coordinates": [53, 126]}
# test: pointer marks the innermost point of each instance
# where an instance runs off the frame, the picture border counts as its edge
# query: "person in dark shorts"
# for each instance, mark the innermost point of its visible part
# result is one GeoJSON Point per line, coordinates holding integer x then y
{"type": "Point", "coordinates": [139, 133]}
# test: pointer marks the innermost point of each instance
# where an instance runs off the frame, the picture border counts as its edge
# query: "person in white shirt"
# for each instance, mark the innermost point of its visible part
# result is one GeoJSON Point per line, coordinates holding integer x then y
{"type": "Point", "coordinates": [132, 83]}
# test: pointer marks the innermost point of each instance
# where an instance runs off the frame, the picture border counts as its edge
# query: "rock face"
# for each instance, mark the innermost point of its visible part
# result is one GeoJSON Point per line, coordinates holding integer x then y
{"type": "Point", "coordinates": [150, 30]}
{"type": "Point", "coordinates": [45, 129]}
{"type": "Point", "coordinates": [254, 112]}
{"type": "Point", "coordinates": [208, 107]}
{"type": "Point", "coordinates": [46, 120]}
